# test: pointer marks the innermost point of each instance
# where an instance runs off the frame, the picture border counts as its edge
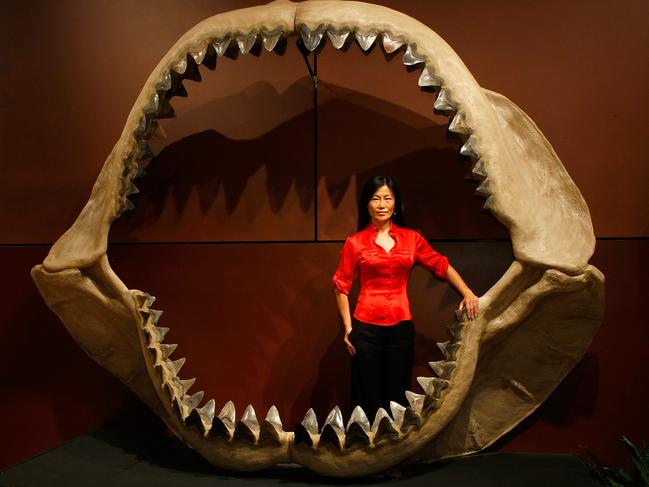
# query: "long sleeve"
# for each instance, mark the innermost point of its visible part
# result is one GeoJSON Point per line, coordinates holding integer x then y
{"type": "Point", "coordinates": [429, 258]}
{"type": "Point", "coordinates": [342, 279]}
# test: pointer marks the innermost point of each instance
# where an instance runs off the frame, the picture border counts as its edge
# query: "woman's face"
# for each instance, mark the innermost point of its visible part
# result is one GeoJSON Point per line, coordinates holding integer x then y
{"type": "Point", "coordinates": [381, 205]}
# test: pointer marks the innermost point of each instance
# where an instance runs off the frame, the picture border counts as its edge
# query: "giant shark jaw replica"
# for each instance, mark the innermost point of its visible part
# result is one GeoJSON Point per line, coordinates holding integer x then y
{"type": "Point", "coordinates": [535, 323]}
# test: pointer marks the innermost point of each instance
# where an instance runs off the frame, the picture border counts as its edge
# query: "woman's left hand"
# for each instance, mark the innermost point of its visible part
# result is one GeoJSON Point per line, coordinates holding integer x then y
{"type": "Point", "coordinates": [472, 304]}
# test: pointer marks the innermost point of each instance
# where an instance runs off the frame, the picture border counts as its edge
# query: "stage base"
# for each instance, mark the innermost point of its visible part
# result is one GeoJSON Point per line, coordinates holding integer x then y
{"type": "Point", "coordinates": [122, 458]}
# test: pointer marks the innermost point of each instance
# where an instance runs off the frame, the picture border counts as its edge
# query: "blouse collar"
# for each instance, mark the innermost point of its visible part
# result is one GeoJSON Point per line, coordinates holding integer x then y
{"type": "Point", "coordinates": [393, 230]}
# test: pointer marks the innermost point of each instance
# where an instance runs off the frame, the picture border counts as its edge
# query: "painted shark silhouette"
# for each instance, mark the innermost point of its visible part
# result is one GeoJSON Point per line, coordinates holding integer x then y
{"type": "Point", "coordinates": [535, 324]}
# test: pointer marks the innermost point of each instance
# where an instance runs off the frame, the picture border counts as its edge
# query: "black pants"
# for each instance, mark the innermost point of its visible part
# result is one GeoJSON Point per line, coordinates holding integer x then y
{"type": "Point", "coordinates": [382, 366]}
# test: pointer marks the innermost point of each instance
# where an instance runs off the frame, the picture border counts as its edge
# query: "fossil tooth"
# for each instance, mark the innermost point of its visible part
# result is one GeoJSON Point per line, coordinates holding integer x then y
{"type": "Point", "coordinates": [410, 57]}
{"type": "Point", "coordinates": [181, 66]}
{"type": "Point", "coordinates": [159, 132]}
{"type": "Point", "coordinates": [174, 366]}
{"type": "Point", "coordinates": [427, 78]}
{"type": "Point", "coordinates": [185, 384]}
{"type": "Point", "coordinates": [468, 149]}
{"type": "Point", "coordinates": [165, 83]}
{"type": "Point", "coordinates": [249, 416]}
{"type": "Point", "coordinates": [365, 40]}
{"type": "Point", "coordinates": [144, 151]}
{"type": "Point", "coordinates": [149, 299]}
{"type": "Point", "coordinates": [273, 417]}
{"type": "Point", "coordinates": [270, 38]}
{"type": "Point", "coordinates": [177, 87]}
{"type": "Point", "coordinates": [338, 38]}
{"type": "Point", "coordinates": [438, 386]}
{"type": "Point", "coordinates": [358, 428]}
{"type": "Point", "coordinates": [488, 205]}
{"type": "Point", "coordinates": [311, 38]}
{"type": "Point", "coordinates": [198, 54]}
{"type": "Point", "coordinates": [444, 102]}
{"type": "Point", "coordinates": [458, 125]}
{"type": "Point", "coordinates": [128, 205]}
{"type": "Point", "coordinates": [484, 189]}
{"type": "Point", "coordinates": [271, 428]}
{"type": "Point", "coordinates": [455, 330]}
{"type": "Point", "coordinates": [228, 413]}
{"type": "Point", "coordinates": [247, 428]}
{"type": "Point", "coordinates": [206, 414]}
{"type": "Point", "coordinates": [390, 43]}
{"type": "Point", "coordinates": [155, 314]}
{"type": "Point", "coordinates": [307, 429]}
{"type": "Point", "coordinates": [142, 127]}
{"type": "Point", "coordinates": [246, 41]}
{"type": "Point", "coordinates": [132, 189]}
{"type": "Point", "coordinates": [426, 384]}
{"type": "Point", "coordinates": [479, 171]}
{"type": "Point", "coordinates": [416, 401]}
{"type": "Point", "coordinates": [442, 368]}
{"type": "Point", "coordinates": [397, 412]}
{"type": "Point", "coordinates": [410, 418]}
{"type": "Point", "coordinates": [335, 418]}
{"type": "Point", "coordinates": [192, 402]}
{"type": "Point", "coordinates": [448, 349]}
{"type": "Point", "coordinates": [333, 429]}
{"type": "Point", "coordinates": [383, 428]}
{"type": "Point", "coordinates": [221, 428]}
{"type": "Point", "coordinates": [310, 422]}
{"type": "Point", "coordinates": [166, 110]}
{"type": "Point", "coordinates": [157, 333]}
{"type": "Point", "coordinates": [192, 72]}
{"type": "Point", "coordinates": [221, 45]}
{"type": "Point", "coordinates": [166, 349]}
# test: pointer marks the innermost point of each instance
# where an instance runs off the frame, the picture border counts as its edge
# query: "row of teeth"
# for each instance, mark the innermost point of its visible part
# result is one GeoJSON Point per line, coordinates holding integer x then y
{"type": "Point", "coordinates": [358, 431]}
{"type": "Point", "coordinates": [209, 51]}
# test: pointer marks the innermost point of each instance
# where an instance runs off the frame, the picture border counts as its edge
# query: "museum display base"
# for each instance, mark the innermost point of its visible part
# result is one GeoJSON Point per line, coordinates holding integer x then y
{"type": "Point", "coordinates": [127, 458]}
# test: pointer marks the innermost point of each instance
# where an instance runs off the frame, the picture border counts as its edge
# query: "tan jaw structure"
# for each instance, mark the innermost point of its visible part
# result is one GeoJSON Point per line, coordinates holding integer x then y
{"type": "Point", "coordinates": [535, 324]}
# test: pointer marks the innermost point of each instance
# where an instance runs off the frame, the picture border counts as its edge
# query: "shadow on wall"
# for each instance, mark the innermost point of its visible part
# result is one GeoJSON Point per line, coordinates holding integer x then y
{"type": "Point", "coordinates": [210, 187]}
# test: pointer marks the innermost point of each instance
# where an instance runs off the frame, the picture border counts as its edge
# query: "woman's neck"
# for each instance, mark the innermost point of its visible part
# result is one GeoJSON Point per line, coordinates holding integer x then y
{"type": "Point", "coordinates": [381, 226]}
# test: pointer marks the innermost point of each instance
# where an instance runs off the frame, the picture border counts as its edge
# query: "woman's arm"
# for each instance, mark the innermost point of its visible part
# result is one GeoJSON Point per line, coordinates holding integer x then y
{"type": "Point", "coordinates": [470, 301]}
{"type": "Point", "coordinates": [342, 301]}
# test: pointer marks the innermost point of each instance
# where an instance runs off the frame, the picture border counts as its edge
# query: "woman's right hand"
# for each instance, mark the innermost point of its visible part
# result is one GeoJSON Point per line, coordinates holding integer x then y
{"type": "Point", "coordinates": [350, 348]}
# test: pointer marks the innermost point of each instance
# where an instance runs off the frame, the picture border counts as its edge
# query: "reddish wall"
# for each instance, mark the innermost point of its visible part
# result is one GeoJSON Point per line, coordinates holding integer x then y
{"type": "Point", "coordinates": [69, 86]}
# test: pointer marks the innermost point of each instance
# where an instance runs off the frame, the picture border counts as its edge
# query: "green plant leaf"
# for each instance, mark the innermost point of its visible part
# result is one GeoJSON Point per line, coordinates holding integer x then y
{"type": "Point", "coordinates": [641, 460]}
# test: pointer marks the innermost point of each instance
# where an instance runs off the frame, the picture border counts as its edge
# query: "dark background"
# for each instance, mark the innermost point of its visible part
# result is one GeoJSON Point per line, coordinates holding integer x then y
{"type": "Point", "coordinates": [223, 231]}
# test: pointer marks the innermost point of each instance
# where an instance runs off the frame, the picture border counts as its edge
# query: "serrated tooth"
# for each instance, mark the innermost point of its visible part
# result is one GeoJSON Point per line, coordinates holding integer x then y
{"type": "Point", "coordinates": [438, 386]}
{"type": "Point", "coordinates": [335, 418]}
{"type": "Point", "coordinates": [249, 417]}
{"type": "Point", "coordinates": [338, 38]}
{"type": "Point", "coordinates": [365, 40]}
{"type": "Point", "coordinates": [149, 299]}
{"type": "Point", "coordinates": [411, 417]}
{"type": "Point", "coordinates": [416, 400]}
{"type": "Point", "coordinates": [228, 412]}
{"type": "Point", "coordinates": [198, 53]}
{"type": "Point", "coordinates": [310, 38]}
{"type": "Point", "coordinates": [165, 82]}
{"type": "Point", "coordinates": [186, 384]}
{"type": "Point", "coordinates": [426, 384]}
{"type": "Point", "coordinates": [380, 414]}
{"type": "Point", "coordinates": [455, 330]}
{"type": "Point", "coordinates": [221, 45]}
{"type": "Point", "coordinates": [270, 38]}
{"type": "Point", "coordinates": [484, 189]}
{"type": "Point", "coordinates": [488, 205]}
{"type": "Point", "coordinates": [159, 132]}
{"type": "Point", "coordinates": [155, 314]}
{"type": "Point", "coordinates": [192, 402]}
{"type": "Point", "coordinates": [458, 125]}
{"type": "Point", "coordinates": [383, 427]}
{"type": "Point", "coordinates": [397, 412]}
{"type": "Point", "coordinates": [479, 171]}
{"type": "Point", "coordinates": [207, 413]}
{"type": "Point", "coordinates": [444, 102]}
{"type": "Point", "coordinates": [128, 205]}
{"type": "Point", "coordinates": [271, 429]}
{"type": "Point", "coordinates": [181, 66]}
{"type": "Point", "coordinates": [166, 349]}
{"type": "Point", "coordinates": [176, 365]}
{"type": "Point", "coordinates": [427, 78]}
{"type": "Point", "coordinates": [132, 189]}
{"type": "Point", "coordinates": [390, 43]}
{"type": "Point", "coordinates": [310, 422]}
{"type": "Point", "coordinates": [468, 149]}
{"type": "Point", "coordinates": [143, 151]}
{"type": "Point", "coordinates": [158, 333]}
{"type": "Point", "coordinates": [272, 416]}
{"type": "Point", "coordinates": [442, 368]}
{"type": "Point", "coordinates": [448, 349]}
{"type": "Point", "coordinates": [359, 416]}
{"type": "Point", "coordinates": [410, 57]}
{"type": "Point", "coordinates": [246, 41]}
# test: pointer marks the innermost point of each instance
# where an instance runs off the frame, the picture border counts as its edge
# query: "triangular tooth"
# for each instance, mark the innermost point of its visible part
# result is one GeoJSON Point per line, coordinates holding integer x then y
{"type": "Point", "coordinates": [165, 82]}
{"type": "Point", "coordinates": [416, 400]}
{"type": "Point", "coordinates": [142, 127]}
{"type": "Point", "coordinates": [383, 428]}
{"type": "Point", "coordinates": [443, 101]}
{"type": "Point", "coordinates": [427, 78]}
{"type": "Point", "coordinates": [149, 299]}
{"type": "Point", "coordinates": [489, 204]}
{"type": "Point", "coordinates": [166, 110]}
{"type": "Point", "coordinates": [174, 387]}
{"type": "Point", "coordinates": [246, 431]}
{"type": "Point", "coordinates": [458, 125]}
{"type": "Point", "coordinates": [246, 41]}
{"type": "Point", "coordinates": [438, 386]}
{"type": "Point", "coordinates": [358, 416]}
{"type": "Point", "coordinates": [155, 314]}
{"type": "Point", "coordinates": [228, 412]}
{"type": "Point", "coordinates": [144, 151]}
{"type": "Point", "coordinates": [410, 57]}
{"type": "Point", "coordinates": [181, 66]}
{"type": "Point", "coordinates": [311, 38]}
{"type": "Point", "coordinates": [221, 428]}
{"type": "Point", "coordinates": [192, 402]}
{"type": "Point", "coordinates": [207, 413]}
{"type": "Point", "coordinates": [302, 435]}
{"type": "Point", "coordinates": [365, 40]}
{"type": "Point", "coordinates": [198, 53]}
{"type": "Point", "coordinates": [397, 412]}
{"type": "Point", "coordinates": [221, 45]}
{"type": "Point", "coordinates": [469, 150]}
{"type": "Point", "coordinates": [442, 368]}
{"type": "Point", "coordinates": [357, 434]}
{"type": "Point", "coordinates": [338, 38]}
{"type": "Point", "coordinates": [484, 189]}
{"type": "Point", "coordinates": [159, 132]}
{"type": "Point", "coordinates": [176, 365]}
{"type": "Point", "coordinates": [177, 87]}
{"type": "Point", "coordinates": [331, 435]}
{"type": "Point", "coordinates": [391, 43]}
{"type": "Point", "coordinates": [380, 414]}
{"type": "Point", "coordinates": [158, 333]}
{"type": "Point", "coordinates": [426, 384]}
{"type": "Point", "coordinates": [166, 349]}
{"type": "Point", "coordinates": [448, 349]}
{"type": "Point", "coordinates": [186, 384]}
{"type": "Point", "coordinates": [271, 38]}
{"type": "Point", "coordinates": [132, 189]}
{"type": "Point", "coordinates": [335, 418]}
{"type": "Point", "coordinates": [456, 330]}
{"type": "Point", "coordinates": [273, 417]}
{"type": "Point", "coordinates": [128, 205]}
{"type": "Point", "coordinates": [209, 61]}
{"type": "Point", "coordinates": [310, 422]}
{"type": "Point", "coordinates": [411, 417]}
{"type": "Point", "coordinates": [139, 174]}
{"type": "Point", "coordinates": [192, 73]}
{"type": "Point", "coordinates": [249, 416]}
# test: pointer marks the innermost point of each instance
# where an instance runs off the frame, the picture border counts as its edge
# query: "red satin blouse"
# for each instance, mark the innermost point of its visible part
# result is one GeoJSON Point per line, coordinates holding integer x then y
{"type": "Point", "coordinates": [383, 276]}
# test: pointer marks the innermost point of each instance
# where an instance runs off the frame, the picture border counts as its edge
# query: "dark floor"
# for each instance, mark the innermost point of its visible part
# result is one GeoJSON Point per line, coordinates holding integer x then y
{"type": "Point", "coordinates": [127, 458]}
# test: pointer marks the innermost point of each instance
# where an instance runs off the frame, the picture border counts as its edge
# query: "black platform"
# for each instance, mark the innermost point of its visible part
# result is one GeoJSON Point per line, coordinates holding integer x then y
{"type": "Point", "coordinates": [127, 458]}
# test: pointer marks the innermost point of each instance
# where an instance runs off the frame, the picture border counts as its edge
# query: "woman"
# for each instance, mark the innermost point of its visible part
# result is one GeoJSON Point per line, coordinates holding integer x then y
{"type": "Point", "coordinates": [380, 337]}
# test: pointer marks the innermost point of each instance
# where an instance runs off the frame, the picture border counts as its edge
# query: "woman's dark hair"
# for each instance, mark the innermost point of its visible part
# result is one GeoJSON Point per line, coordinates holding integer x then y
{"type": "Point", "coordinates": [369, 189]}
